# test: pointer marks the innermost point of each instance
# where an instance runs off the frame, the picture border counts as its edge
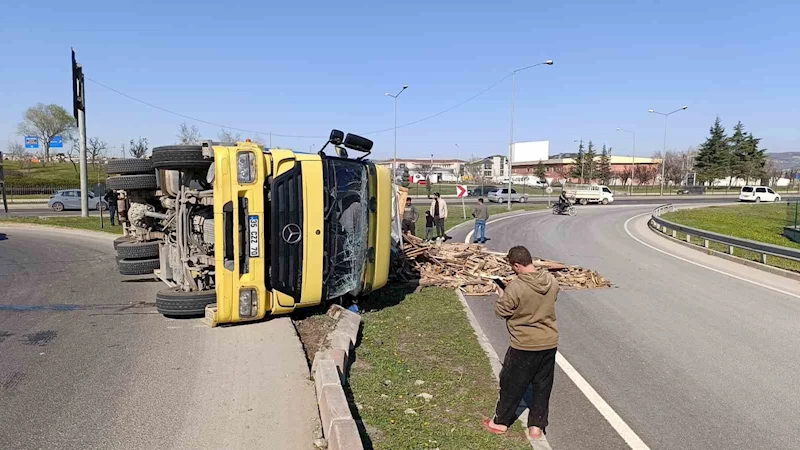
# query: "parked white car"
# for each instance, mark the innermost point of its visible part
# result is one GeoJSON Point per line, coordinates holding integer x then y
{"type": "Point", "coordinates": [758, 194]}
{"type": "Point", "coordinates": [501, 195]}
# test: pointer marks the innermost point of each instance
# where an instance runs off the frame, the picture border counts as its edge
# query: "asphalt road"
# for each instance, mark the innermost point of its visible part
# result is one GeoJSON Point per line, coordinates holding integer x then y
{"type": "Point", "coordinates": [86, 362]}
{"type": "Point", "coordinates": [689, 357]}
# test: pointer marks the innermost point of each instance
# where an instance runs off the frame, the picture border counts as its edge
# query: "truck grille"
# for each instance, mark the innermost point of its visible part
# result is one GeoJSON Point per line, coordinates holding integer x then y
{"type": "Point", "coordinates": [287, 221]}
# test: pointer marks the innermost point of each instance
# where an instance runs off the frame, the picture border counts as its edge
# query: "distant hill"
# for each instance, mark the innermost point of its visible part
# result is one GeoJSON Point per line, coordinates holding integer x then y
{"type": "Point", "coordinates": [785, 160]}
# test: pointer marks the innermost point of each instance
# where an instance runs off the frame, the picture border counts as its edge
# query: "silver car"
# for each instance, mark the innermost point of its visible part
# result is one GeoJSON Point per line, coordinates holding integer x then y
{"type": "Point", "coordinates": [501, 196]}
{"type": "Point", "coordinates": [71, 199]}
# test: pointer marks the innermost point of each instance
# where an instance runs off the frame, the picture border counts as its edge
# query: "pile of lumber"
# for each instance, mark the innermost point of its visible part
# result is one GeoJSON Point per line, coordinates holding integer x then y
{"type": "Point", "coordinates": [471, 268]}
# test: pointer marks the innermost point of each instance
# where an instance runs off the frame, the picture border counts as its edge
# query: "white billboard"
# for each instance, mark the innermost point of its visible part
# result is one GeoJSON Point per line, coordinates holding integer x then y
{"type": "Point", "coordinates": [530, 151]}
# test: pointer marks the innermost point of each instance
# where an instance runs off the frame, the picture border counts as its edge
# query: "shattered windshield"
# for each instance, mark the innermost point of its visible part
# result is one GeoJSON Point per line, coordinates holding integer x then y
{"type": "Point", "coordinates": [346, 225]}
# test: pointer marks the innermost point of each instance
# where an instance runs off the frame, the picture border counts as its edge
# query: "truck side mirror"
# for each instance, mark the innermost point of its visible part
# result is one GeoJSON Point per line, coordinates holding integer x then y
{"type": "Point", "coordinates": [336, 138]}
{"type": "Point", "coordinates": [357, 143]}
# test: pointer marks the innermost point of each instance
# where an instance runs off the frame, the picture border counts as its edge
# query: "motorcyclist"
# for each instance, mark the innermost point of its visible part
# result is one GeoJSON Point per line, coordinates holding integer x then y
{"type": "Point", "coordinates": [563, 201]}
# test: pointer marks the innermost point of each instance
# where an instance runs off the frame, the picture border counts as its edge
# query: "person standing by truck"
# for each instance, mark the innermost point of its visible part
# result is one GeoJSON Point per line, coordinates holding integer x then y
{"type": "Point", "coordinates": [481, 214]}
{"type": "Point", "coordinates": [410, 217]}
{"type": "Point", "coordinates": [439, 213]}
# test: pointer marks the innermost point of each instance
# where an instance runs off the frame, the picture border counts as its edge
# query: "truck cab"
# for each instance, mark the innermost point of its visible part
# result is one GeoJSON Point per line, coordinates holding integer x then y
{"type": "Point", "coordinates": [246, 232]}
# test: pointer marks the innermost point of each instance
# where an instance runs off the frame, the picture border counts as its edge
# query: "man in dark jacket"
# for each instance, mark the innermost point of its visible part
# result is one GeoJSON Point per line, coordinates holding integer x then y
{"type": "Point", "coordinates": [111, 199]}
{"type": "Point", "coordinates": [528, 304]}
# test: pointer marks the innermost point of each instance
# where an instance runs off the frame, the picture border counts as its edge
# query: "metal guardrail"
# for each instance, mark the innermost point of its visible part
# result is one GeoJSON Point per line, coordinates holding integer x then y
{"type": "Point", "coordinates": [761, 248]}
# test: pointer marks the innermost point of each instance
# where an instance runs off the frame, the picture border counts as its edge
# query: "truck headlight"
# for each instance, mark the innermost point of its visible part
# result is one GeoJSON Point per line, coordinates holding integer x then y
{"type": "Point", "coordinates": [246, 167]}
{"type": "Point", "coordinates": [248, 302]}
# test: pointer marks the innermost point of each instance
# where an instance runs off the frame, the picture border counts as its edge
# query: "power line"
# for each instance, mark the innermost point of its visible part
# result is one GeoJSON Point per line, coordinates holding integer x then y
{"type": "Point", "coordinates": [195, 119]}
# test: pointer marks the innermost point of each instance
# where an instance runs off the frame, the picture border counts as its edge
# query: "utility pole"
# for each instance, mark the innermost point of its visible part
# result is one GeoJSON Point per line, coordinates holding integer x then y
{"type": "Point", "coordinates": [3, 184]}
{"type": "Point", "coordinates": [394, 160]}
{"type": "Point", "coordinates": [79, 111]}
{"type": "Point", "coordinates": [664, 153]}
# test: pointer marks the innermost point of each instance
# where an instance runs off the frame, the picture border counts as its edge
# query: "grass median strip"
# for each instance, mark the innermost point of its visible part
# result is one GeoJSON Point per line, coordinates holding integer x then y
{"type": "Point", "coordinates": [762, 223]}
{"type": "Point", "coordinates": [420, 379]}
{"type": "Point", "coordinates": [82, 223]}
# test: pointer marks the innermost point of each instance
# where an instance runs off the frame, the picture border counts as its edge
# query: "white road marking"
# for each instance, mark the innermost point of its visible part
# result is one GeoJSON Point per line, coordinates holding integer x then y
{"type": "Point", "coordinates": [469, 235]}
{"type": "Point", "coordinates": [702, 265]}
{"type": "Point", "coordinates": [625, 432]}
{"type": "Point", "coordinates": [616, 422]}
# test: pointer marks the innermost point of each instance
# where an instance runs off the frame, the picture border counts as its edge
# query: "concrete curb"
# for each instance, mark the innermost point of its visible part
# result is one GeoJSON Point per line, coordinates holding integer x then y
{"type": "Point", "coordinates": [745, 262]}
{"type": "Point", "coordinates": [65, 230]}
{"type": "Point", "coordinates": [329, 371]}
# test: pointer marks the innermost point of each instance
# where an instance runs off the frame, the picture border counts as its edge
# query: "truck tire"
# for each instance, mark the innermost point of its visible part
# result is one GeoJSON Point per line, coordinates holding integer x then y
{"type": "Point", "coordinates": [132, 182]}
{"type": "Point", "coordinates": [138, 266]}
{"type": "Point", "coordinates": [120, 240]}
{"type": "Point", "coordinates": [583, 202]}
{"type": "Point", "coordinates": [180, 157]}
{"type": "Point", "coordinates": [604, 201]}
{"type": "Point", "coordinates": [129, 166]}
{"type": "Point", "coordinates": [172, 302]}
{"type": "Point", "coordinates": [137, 250]}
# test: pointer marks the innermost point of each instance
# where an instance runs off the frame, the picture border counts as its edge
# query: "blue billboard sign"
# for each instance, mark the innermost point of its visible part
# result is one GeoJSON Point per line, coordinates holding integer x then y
{"type": "Point", "coordinates": [31, 142]}
{"type": "Point", "coordinates": [56, 142]}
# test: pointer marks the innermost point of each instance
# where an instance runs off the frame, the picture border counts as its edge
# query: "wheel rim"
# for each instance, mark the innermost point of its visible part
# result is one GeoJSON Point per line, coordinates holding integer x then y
{"type": "Point", "coordinates": [58, 207]}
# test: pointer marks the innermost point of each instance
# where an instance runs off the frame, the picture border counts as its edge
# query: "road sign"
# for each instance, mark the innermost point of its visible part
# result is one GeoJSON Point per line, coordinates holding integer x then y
{"type": "Point", "coordinates": [549, 189]}
{"type": "Point", "coordinates": [57, 142]}
{"type": "Point", "coordinates": [461, 191]}
{"type": "Point", "coordinates": [31, 142]}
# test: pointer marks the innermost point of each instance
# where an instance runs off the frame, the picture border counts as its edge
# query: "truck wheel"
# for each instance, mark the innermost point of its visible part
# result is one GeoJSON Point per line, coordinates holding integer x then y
{"type": "Point", "coordinates": [604, 201]}
{"type": "Point", "coordinates": [137, 250]}
{"type": "Point", "coordinates": [180, 157]}
{"type": "Point", "coordinates": [523, 199]}
{"type": "Point", "coordinates": [120, 240]}
{"type": "Point", "coordinates": [172, 302]}
{"type": "Point", "coordinates": [132, 182]}
{"type": "Point", "coordinates": [583, 201]}
{"type": "Point", "coordinates": [129, 166]}
{"type": "Point", "coordinates": [138, 266]}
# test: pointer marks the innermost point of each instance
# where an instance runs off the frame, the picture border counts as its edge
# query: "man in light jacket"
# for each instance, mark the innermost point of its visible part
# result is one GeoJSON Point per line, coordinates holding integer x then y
{"type": "Point", "coordinates": [481, 214]}
{"type": "Point", "coordinates": [528, 304]}
{"type": "Point", "coordinates": [439, 213]}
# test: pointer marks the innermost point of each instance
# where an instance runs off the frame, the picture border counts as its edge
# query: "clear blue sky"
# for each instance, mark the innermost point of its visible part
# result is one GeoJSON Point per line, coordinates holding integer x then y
{"type": "Point", "coordinates": [305, 67]}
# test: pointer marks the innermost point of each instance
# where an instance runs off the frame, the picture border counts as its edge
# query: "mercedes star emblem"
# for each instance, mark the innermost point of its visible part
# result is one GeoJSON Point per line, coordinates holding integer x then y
{"type": "Point", "coordinates": [292, 233]}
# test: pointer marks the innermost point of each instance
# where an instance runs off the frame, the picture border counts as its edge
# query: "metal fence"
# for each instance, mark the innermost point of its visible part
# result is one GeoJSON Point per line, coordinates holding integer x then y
{"type": "Point", "coordinates": [730, 243]}
{"type": "Point", "coordinates": [19, 191]}
{"type": "Point", "coordinates": [793, 214]}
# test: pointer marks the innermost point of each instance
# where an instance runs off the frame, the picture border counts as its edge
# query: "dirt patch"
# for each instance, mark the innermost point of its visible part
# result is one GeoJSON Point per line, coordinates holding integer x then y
{"type": "Point", "coordinates": [313, 331]}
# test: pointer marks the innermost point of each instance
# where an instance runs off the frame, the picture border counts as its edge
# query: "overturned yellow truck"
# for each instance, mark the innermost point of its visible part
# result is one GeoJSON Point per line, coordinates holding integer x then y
{"type": "Point", "coordinates": [243, 232]}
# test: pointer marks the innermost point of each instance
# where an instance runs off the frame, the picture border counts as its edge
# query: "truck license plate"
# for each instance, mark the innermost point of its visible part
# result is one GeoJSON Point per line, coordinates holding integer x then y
{"type": "Point", "coordinates": [253, 233]}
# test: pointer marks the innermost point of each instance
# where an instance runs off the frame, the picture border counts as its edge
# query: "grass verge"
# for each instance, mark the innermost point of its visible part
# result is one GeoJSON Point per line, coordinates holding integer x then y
{"type": "Point", "coordinates": [83, 223]}
{"type": "Point", "coordinates": [762, 223]}
{"type": "Point", "coordinates": [456, 216]}
{"type": "Point", "coordinates": [424, 336]}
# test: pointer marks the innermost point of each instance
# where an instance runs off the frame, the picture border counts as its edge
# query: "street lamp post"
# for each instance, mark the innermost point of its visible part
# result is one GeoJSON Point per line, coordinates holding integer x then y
{"type": "Point", "coordinates": [549, 62]}
{"type": "Point", "coordinates": [582, 159]}
{"type": "Point", "coordinates": [394, 161]}
{"type": "Point", "coordinates": [664, 153]}
{"type": "Point", "coordinates": [633, 157]}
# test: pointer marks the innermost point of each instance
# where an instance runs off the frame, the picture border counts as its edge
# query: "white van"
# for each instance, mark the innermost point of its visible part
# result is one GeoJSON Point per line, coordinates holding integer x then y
{"type": "Point", "coordinates": [758, 194]}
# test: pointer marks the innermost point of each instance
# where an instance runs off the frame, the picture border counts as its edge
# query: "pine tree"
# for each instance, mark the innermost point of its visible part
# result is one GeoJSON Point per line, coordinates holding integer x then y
{"type": "Point", "coordinates": [604, 166]}
{"type": "Point", "coordinates": [591, 164]}
{"type": "Point", "coordinates": [406, 176]}
{"type": "Point", "coordinates": [713, 158]}
{"type": "Point", "coordinates": [540, 171]}
{"type": "Point", "coordinates": [747, 161]}
{"type": "Point", "coordinates": [580, 160]}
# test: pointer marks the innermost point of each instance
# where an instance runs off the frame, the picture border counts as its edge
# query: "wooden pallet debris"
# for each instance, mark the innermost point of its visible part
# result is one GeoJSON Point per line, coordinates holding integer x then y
{"type": "Point", "coordinates": [471, 267]}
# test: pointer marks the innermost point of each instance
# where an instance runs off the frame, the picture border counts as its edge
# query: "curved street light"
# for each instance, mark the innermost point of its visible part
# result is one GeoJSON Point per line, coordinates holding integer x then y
{"type": "Point", "coordinates": [664, 153]}
{"type": "Point", "coordinates": [549, 62]}
{"type": "Point", "coordinates": [394, 161]}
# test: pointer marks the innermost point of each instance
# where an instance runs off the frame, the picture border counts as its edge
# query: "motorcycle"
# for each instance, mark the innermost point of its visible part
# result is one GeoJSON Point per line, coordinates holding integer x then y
{"type": "Point", "coordinates": [559, 209]}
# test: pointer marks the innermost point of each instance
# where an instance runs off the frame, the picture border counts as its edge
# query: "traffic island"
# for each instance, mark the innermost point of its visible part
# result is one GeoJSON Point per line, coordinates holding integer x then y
{"type": "Point", "coordinates": [330, 341]}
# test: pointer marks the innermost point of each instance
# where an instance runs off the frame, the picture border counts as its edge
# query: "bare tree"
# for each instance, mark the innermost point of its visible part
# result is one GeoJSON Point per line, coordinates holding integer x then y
{"type": "Point", "coordinates": [227, 137]}
{"type": "Point", "coordinates": [188, 135]}
{"type": "Point", "coordinates": [96, 149]}
{"type": "Point", "coordinates": [138, 149]}
{"type": "Point", "coordinates": [563, 171]}
{"type": "Point", "coordinates": [47, 122]}
{"type": "Point", "coordinates": [257, 139]}
{"type": "Point", "coordinates": [15, 150]}
{"type": "Point", "coordinates": [72, 152]}
{"type": "Point", "coordinates": [474, 170]}
{"type": "Point", "coordinates": [625, 175]}
{"type": "Point", "coordinates": [772, 172]}
{"type": "Point", "coordinates": [646, 174]}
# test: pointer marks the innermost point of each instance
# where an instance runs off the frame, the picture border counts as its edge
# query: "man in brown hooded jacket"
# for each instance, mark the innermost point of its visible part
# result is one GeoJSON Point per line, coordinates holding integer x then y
{"type": "Point", "coordinates": [528, 304]}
